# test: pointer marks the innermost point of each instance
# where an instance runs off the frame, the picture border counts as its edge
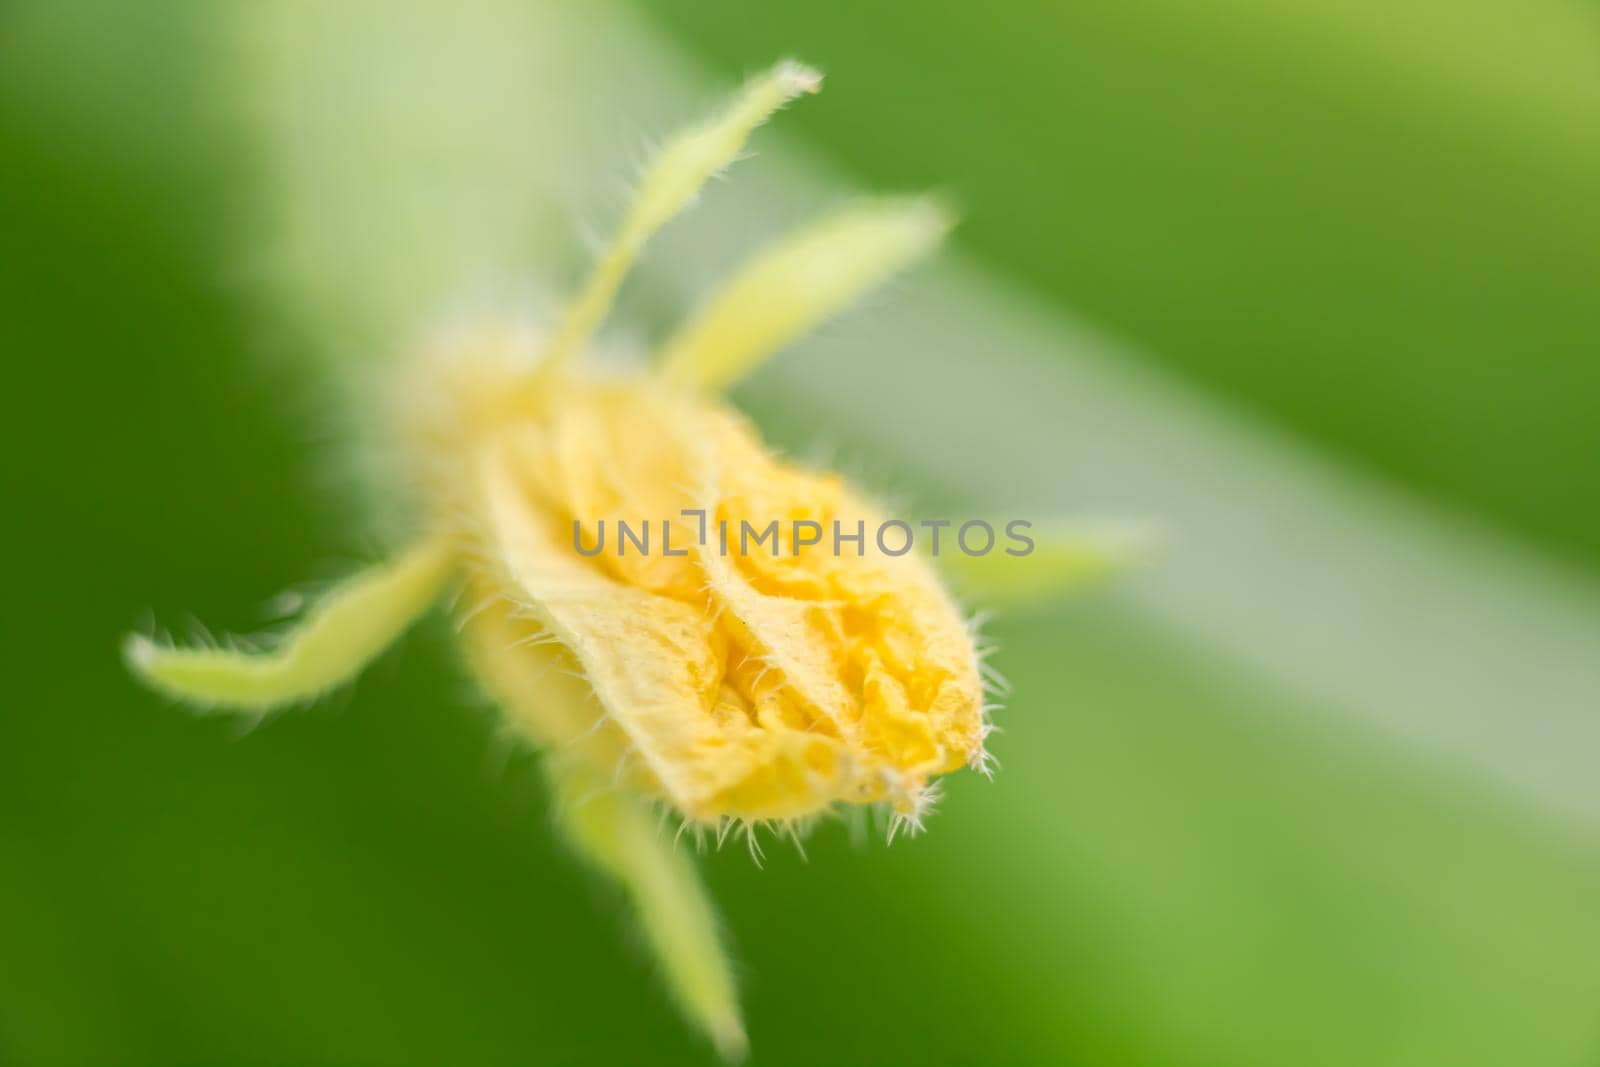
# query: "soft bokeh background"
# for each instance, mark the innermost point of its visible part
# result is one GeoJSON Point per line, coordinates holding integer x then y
{"type": "Point", "coordinates": [1315, 788]}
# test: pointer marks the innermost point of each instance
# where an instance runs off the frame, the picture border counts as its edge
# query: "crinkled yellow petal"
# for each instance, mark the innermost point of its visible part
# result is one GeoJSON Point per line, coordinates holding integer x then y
{"type": "Point", "coordinates": [669, 185]}
{"type": "Point", "coordinates": [802, 280]}
{"type": "Point", "coordinates": [656, 663]}
{"type": "Point", "coordinates": [865, 640]}
{"type": "Point", "coordinates": [344, 632]}
{"type": "Point", "coordinates": [752, 687]}
{"type": "Point", "coordinates": [541, 690]}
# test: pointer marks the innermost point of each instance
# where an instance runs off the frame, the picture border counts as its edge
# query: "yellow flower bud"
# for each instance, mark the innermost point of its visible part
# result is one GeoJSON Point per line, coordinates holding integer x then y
{"type": "Point", "coordinates": [769, 681]}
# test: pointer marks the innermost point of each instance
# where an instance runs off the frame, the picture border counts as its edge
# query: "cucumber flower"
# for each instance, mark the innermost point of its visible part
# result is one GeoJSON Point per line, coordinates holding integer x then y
{"type": "Point", "coordinates": [733, 689]}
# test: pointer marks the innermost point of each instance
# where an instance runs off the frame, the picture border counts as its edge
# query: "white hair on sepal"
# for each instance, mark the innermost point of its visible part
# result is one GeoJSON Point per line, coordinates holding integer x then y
{"type": "Point", "coordinates": [910, 821]}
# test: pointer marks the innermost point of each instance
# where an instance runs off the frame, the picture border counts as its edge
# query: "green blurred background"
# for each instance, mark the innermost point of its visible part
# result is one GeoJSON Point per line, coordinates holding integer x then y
{"type": "Point", "coordinates": [1374, 227]}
